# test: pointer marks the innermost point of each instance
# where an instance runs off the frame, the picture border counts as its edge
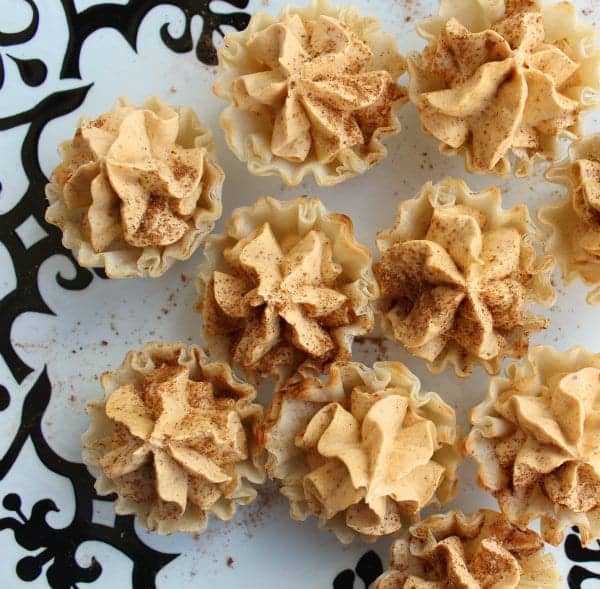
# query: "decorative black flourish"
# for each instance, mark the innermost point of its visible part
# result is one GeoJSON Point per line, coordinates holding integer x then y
{"type": "Point", "coordinates": [577, 553]}
{"type": "Point", "coordinates": [27, 33]}
{"type": "Point", "coordinates": [59, 546]}
{"type": "Point", "coordinates": [26, 261]}
{"type": "Point", "coordinates": [4, 398]}
{"type": "Point", "coordinates": [577, 575]}
{"type": "Point", "coordinates": [367, 569]}
{"type": "Point", "coordinates": [30, 70]}
{"type": "Point", "coordinates": [126, 18]}
{"type": "Point", "coordinates": [55, 548]}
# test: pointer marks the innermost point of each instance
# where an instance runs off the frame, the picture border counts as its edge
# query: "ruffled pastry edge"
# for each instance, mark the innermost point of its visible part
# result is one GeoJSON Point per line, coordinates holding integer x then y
{"type": "Point", "coordinates": [561, 220]}
{"type": "Point", "coordinates": [136, 364]}
{"type": "Point", "coordinates": [412, 220]}
{"type": "Point", "coordinates": [539, 567]}
{"type": "Point", "coordinates": [560, 22]}
{"type": "Point", "coordinates": [296, 216]}
{"type": "Point", "coordinates": [529, 374]}
{"type": "Point", "coordinates": [342, 375]}
{"type": "Point", "coordinates": [148, 262]}
{"type": "Point", "coordinates": [252, 145]}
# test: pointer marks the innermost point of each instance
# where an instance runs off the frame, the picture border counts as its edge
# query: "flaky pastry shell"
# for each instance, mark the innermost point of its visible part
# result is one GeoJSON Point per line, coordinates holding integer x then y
{"type": "Point", "coordinates": [536, 439]}
{"type": "Point", "coordinates": [286, 284]}
{"type": "Point", "coordinates": [457, 276]}
{"type": "Point", "coordinates": [482, 549]}
{"type": "Point", "coordinates": [251, 122]}
{"type": "Point", "coordinates": [504, 76]}
{"type": "Point", "coordinates": [175, 439]}
{"type": "Point", "coordinates": [363, 449]}
{"type": "Point", "coordinates": [575, 219]}
{"type": "Point", "coordinates": [119, 258]}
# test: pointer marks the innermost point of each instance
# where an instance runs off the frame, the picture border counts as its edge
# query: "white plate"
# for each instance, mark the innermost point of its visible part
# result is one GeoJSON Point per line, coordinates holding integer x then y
{"type": "Point", "coordinates": [60, 326]}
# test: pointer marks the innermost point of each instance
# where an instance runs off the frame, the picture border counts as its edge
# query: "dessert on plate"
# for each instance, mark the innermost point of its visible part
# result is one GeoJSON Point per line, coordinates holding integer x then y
{"type": "Point", "coordinates": [504, 77]}
{"type": "Point", "coordinates": [174, 438]}
{"type": "Point", "coordinates": [285, 285]}
{"type": "Point", "coordinates": [536, 440]}
{"type": "Point", "coordinates": [476, 551]}
{"type": "Point", "coordinates": [138, 188]}
{"type": "Point", "coordinates": [311, 91]}
{"type": "Point", "coordinates": [575, 219]}
{"type": "Point", "coordinates": [457, 276]}
{"type": "Point", "coordinates": [362, 449]}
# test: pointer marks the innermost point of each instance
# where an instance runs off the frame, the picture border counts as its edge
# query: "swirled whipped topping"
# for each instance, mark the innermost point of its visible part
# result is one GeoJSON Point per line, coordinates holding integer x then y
{"type": "Point", "coordinates": [317, 81]}
{"type": "Point", "coordinates": [457, 551]}
{"type": "Point", "coordinates": [586, 203]}
{"type": "Point", "coordinates": [374, 462]}
{"type": "Point", "coordinates": [278, 297]}
{"type": "Point", "coordinates": [575, 219]}
{"type": "Point", "coordinates": [536, 439]}
{"type": "Point", "coordinates": [175, 445]}
{"type": "Point", "coordinates": [461, 283]}
{"type": "Point", "coordinates": [496, 89]}
{"type": "Point", "coordinates": [132, 178]}
{"type": "Point", "coordinates": [363, 450]}
{"type": "Point", "coordinates": [555, 439]}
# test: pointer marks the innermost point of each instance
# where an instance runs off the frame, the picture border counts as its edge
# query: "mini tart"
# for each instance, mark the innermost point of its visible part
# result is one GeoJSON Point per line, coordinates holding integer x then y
{"type": "Point", "coordinates": [363, 449]}
{"type": "Point", "coordinates": [575, 219]}
{"type": "Point", "coordinates": [286, 285]}
{"type": "Point", "coordinates": [536, 439]}
{"type": "Point", "coordinates": [138, 188]}
{"type": "Point", "coordinates": [311, 91]}
{"type": "Point", "coordinates": [458, 551]}
{"type": "Point", "coordinates": [174, 438]}
{"type": "Point", "coordinates": [504, 77]}
{"type": "Point", "coordinates": [457, 275]}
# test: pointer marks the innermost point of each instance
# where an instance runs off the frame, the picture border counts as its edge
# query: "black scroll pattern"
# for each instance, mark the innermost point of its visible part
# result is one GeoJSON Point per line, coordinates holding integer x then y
{"type": "Point", "coordinates": [51, 549]}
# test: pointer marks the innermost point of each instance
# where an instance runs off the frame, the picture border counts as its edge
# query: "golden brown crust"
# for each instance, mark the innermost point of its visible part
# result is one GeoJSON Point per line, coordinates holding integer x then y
{"type": "Point", "coordinates": [364, 450]}
{"type": "Point", "coordinates": [286, 284]}
{"type": "Point", "coordinates": [457, 275]}
{"type": "Point", "coordinates": [133, 213]}
{"type": "Point", "coordinates": [311, 91]}
{"type": "Point", "coordinates": [458, 551]}
{"type": "Point", "coordinates": [504, 77]}
{"type": "Point", "coordinates": [536, 438]}
{"type": "Point", "coordinates": [153, 439]}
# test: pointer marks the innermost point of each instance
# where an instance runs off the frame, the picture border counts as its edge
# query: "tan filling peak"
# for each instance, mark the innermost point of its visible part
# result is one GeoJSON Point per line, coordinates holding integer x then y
{"type": "Point", "coordinates": [554, 444]}
{"type": "Point", "coordinates": [176, 443]}
{"type": "Point", "coordinates": [586, 203]}
{"type": "Point", "coordinates": [373, 462]}
{"type": "Point", "coordinates": [318, 85]}
{"type": "Point", "coordinates": [461, 283]}
{"type": "Point", "coordinates": [135, 182]}
{"type": "Point", "coordinates": [364, 450]}
{"type": "Point", "coordinates": [497, 90]}
{"type": "Point", "coordinates": [279, 298]}
{"type": "Point", "coordinates": [454, 551]}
